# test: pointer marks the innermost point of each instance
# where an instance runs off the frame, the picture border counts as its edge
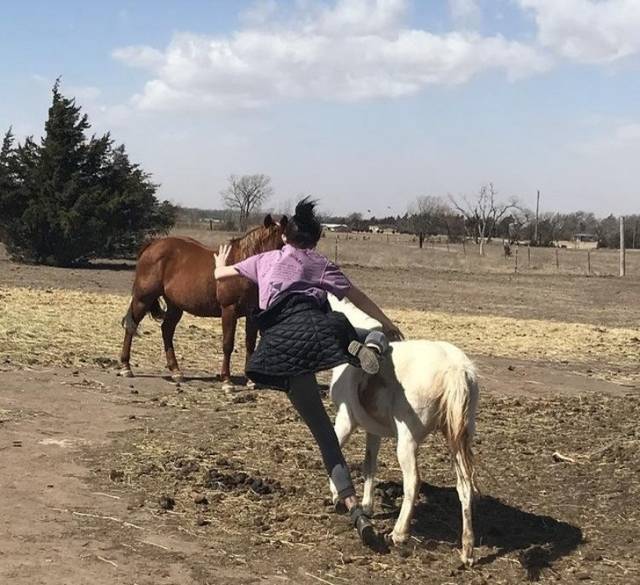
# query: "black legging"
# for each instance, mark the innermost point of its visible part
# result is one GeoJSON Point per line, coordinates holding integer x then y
{"type": "Point", "coordinates": [304, 394]}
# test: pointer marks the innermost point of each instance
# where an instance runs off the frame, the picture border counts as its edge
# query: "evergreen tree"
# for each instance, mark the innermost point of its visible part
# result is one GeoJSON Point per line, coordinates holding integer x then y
{"type": "Point", "coordinates": [70, 198]}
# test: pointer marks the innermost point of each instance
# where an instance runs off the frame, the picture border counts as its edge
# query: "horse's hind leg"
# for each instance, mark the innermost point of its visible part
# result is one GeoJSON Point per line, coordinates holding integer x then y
{"type": "Point", "coordinates": [465, 493]}
{"type": "Point", "coordinates": [135, 314]}
{"type": "Point", "coordinates": [369, 471]}
{"type": "Point", "coordinates": [169, 324]}
{"type": "Point", "coordinates": [407, 451]}
{"type": "Point", "coordinates": [229, 322]}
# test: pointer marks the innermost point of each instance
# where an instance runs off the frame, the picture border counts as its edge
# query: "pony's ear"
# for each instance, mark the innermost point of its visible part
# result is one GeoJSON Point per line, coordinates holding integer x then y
{"type": "Point", "coordinates": [284, 220]}
{"type": "Point", "coordinates": [268, 220]}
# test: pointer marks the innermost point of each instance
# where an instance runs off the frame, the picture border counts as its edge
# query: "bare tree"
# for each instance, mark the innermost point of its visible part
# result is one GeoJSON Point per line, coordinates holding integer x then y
{"type": "Point", "coordinates": [246, 194]}
{"type": "Point", "coordinates": [428, 214]}
{"type": "Point", "coordinates": [483, 212]}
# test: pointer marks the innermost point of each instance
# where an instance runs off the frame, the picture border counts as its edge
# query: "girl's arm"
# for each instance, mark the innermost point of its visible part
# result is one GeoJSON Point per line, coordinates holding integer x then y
{"type": "Point", "coordinates": [364, 303]}
{"type": "Point", "coordinates": [223, 271]}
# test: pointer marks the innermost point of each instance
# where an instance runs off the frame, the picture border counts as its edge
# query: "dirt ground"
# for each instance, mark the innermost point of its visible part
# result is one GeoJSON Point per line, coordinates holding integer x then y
{"type": "Point", "coordinates": [107, 480]}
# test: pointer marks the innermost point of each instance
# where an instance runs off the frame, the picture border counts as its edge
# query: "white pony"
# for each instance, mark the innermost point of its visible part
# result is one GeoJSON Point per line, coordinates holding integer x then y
{"type": "Point", "coordinates": [422, 387]}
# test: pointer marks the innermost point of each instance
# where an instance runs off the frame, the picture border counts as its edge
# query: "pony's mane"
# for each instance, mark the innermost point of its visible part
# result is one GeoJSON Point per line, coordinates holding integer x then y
{"type": "Point", "coordinates": [249, 244]}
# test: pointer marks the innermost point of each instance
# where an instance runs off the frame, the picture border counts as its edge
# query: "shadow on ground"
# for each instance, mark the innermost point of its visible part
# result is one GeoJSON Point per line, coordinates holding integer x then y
{"type": "Point", "coordinates": [538, 540]}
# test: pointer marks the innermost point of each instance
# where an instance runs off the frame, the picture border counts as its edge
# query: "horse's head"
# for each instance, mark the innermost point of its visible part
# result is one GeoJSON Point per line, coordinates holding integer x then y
{"type": "Point", "coordinates": [263, 238]}
{"type": "Point", "coordinates": [273, 231]}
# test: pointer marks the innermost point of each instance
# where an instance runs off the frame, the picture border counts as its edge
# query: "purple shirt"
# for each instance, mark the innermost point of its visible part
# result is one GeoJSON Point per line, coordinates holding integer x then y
{"type": "Point", "coordinates": [293, 270]}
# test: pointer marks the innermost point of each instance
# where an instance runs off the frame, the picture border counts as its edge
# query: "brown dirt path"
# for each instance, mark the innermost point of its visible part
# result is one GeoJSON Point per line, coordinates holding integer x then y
{"type": "Point", "coordinates": [61, 528]}
{"type": "Point", "coordinates": [56, 527]}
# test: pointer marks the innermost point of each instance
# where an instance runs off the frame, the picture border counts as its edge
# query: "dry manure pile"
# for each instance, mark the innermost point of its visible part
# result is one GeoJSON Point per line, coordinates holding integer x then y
{"type": "Point", "coordinates": [560, 498]}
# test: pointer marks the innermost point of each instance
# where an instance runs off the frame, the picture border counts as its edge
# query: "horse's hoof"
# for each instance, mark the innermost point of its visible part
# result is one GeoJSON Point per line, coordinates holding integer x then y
{"type": "Point", "coordinates": [125, 373]}
{"type": "Point", "coordinates": [397, 538]}
{"type": "Point", "coordinates": [251, 385]}
{"type": "Point", "coordinates": [177, 377]}
{"type": "Point", "coordinates": [228, 386]}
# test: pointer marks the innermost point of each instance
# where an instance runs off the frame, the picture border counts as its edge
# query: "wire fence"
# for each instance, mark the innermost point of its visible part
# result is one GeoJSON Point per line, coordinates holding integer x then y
{"type": "Point", "coordinates": [403, 251]}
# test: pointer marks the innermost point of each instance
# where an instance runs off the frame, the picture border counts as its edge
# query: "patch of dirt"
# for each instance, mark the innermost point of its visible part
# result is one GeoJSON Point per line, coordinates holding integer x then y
{"type": "Point", "coordinates": [601, 301]}
{"type": "Point", "coordinates": [54, 327]}
{"type": "Point", "coordinates": [144, 481]}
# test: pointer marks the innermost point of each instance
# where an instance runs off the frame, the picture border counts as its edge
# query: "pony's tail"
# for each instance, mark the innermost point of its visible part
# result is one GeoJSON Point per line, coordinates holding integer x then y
{"type": "Point", "coordinates": [129, 324]}
{"type": "Point", "coordinates": [459, 404]}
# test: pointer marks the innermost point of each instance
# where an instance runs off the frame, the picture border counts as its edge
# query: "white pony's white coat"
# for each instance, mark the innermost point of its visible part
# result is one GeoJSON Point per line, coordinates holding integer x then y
{"type": "Point", "coordinates": [422, 387]}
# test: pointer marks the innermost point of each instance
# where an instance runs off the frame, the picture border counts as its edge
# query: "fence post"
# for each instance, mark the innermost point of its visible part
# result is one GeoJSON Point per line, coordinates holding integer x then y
{"type": "Point", "coordinates": [516, 269]}
{"type": "Point", "coordinates": [589, 262]}
{"type": "Point", "coordinates": [622, 249]}
{"type": "Point", "coordinates": [529, 256]}
{"type": "Point", "coordinates": [335, 254]}
{"type": "Point", "coordinates": [557, 260]}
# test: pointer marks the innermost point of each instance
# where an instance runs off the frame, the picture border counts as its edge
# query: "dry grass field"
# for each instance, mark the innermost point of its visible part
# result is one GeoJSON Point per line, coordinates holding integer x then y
{"type": "Point", "coordinates": [121, 481]}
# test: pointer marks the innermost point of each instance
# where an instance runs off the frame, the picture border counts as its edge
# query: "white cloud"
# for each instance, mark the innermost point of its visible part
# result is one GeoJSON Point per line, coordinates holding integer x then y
{"type": "Point", "coordinates": [588, 31]}
{"type": "Point", "coordinates": [352, 50]}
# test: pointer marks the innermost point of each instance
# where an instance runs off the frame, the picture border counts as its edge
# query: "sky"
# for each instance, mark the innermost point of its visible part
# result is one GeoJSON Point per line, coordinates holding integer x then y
{"type": "Point", "coordinates": [364, 104]}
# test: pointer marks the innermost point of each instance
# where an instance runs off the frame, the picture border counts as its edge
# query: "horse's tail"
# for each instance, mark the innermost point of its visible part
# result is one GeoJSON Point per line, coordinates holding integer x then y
{"type": "Point", "coordinates": [155, 310]}
{"type": "Point", "coordinates": [459, 404]}
{"type": "Point", "coordinates": [128, 322]}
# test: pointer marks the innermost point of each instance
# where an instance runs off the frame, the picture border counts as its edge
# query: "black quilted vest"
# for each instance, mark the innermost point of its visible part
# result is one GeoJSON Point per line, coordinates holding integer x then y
{"type": "Point", "coordinates": [297, 336]}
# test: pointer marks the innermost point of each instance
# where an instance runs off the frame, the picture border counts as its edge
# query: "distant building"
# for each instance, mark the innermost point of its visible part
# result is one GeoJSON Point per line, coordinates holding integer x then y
{"type": "Point", "coordinates": [582, 241]}
{"type": "Point", "coordinates": [382, 229]}
{"type": "Point", "coordinates": [336, 227]}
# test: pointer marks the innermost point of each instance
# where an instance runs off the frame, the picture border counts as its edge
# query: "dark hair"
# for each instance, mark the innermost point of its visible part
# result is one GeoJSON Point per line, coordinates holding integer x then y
{"type": "Point", "coordinates": [303, 230]}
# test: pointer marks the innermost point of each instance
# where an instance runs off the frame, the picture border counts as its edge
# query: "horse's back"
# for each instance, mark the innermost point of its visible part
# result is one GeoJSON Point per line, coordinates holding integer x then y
{"type": "Point", "coordinates": [180, 269]}
{"type": "Point", "coordinates": [408, 386]}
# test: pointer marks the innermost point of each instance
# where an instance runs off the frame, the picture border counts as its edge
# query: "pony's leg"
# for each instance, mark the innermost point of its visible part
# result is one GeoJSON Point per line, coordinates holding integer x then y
{"type": "Point", "coordinates": [369, 470]}
{"type": "Point", "coordinates": [465, 493]}
{"type": "Point", "coordinates": [135, 314]}
{"type": "Point", "coordinates": [169, 324]}
{"type": "Point", "coordinates": [251, 336]}
{"type": "Point", "coordinates": [344, 425]}
{"type": "Point", "coordinates": [229, 322]}
{"type": "Point", "coordinates": [407, 451]}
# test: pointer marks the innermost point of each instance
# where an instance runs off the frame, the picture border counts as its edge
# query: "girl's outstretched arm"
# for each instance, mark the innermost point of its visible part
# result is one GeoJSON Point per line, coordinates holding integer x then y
{"type": "Point", "coordinates": [364, 303]}
{"type": "Point", "coordinates": [223, 271]}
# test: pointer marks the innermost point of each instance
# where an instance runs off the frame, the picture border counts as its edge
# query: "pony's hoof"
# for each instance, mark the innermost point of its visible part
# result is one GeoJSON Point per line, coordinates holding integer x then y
{"type": "Point", "coordinates": [251, 385]}
{"type": "Point", "coordinates": [467, 559]}
{"type": "Point", "coordinates": [397, 538]}
{"type": "Point", "coordinates": [228, 386]}
{"type": "Point", "coordinates": [177, 377]}
{"type": "Point", "coordinates": [125, 373]}
{"type": "Point", "coordinates": [368, 509]}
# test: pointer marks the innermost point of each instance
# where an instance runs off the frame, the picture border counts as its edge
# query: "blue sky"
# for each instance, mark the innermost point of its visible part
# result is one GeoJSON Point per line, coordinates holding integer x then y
{"type": "Point", "coordinates": [366, 104]}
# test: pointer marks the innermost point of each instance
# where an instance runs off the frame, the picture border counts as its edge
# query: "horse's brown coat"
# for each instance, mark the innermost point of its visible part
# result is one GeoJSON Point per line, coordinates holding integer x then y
{"type": "Point", "coordinates": [180, 270]}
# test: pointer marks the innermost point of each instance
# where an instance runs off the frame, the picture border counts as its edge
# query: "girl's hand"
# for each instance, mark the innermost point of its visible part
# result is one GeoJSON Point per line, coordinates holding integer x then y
{"type": "Point", "coordinates": [392, 331]}
{"type": "Point", "coordinates": [222, 255]}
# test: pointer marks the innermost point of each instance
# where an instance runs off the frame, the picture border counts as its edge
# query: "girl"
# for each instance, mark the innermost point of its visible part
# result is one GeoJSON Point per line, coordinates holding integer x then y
{"type": "Point", "coordinates": [300, 335]}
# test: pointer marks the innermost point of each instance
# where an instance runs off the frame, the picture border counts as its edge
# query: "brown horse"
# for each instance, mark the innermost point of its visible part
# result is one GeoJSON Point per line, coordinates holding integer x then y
{"type": "Point", "coordinates": [180, 270]}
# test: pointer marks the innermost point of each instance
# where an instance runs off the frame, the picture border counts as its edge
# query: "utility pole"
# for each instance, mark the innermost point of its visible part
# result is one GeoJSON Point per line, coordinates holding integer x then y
{"type": "Point", "coordinates": [535, 232]}
{"type": "Point", "coordinates": [622, 250]}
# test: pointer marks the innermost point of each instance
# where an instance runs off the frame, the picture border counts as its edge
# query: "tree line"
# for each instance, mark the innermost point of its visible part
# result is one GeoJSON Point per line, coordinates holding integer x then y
{"type": "Point", "coordinates": [68, 197]}
{"type": "Point", "coordinates": [484, 217]}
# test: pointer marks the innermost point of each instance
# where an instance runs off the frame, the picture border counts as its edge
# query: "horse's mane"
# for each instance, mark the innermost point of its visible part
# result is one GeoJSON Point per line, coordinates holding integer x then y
{"type": "Point", "coordinates": [249, 244]}
{"type": "Point", "coordinates": [144, 246]}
